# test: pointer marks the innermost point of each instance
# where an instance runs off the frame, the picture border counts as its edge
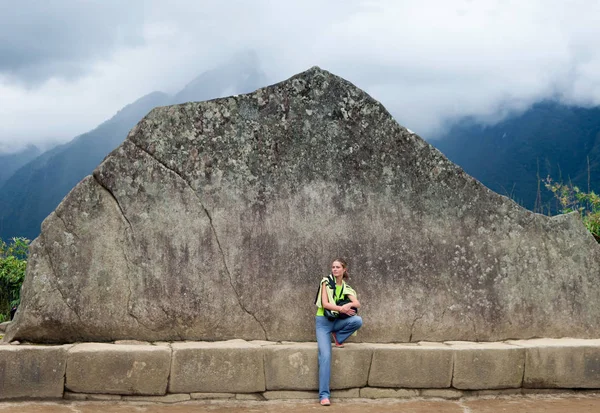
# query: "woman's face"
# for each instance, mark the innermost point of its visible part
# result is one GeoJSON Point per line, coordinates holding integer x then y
{"type": "Point", "coordinates": [337, 269]}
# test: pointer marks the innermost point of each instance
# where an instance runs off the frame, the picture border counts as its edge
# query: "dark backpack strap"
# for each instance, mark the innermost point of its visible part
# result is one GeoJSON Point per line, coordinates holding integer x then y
{"type": "Point", "coordinates": [331, 282]}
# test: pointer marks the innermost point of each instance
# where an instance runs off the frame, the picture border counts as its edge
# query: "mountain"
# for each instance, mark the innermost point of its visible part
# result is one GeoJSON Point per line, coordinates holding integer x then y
{"type": "Point", "coordinates": [549, 139]}
{"type": "Point", "coordinates": [239, 75]}
{"type": "Point", "coordinates": [34, 190]}
{"type": "Point", "coordinates": [10, 162]}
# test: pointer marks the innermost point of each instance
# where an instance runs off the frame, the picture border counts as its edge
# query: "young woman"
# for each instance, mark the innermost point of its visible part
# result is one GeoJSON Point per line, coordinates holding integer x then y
{"type": "Point", "coordinates": [346, 322]}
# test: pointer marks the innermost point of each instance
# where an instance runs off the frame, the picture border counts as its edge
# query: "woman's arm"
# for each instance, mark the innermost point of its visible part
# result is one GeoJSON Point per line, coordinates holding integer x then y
{"type": "Point", "coordinates": [355, 302]}
{"type": "Point", "coordinates": [332, 306]}
{"type": "Point", "coordinates": [347, 308]}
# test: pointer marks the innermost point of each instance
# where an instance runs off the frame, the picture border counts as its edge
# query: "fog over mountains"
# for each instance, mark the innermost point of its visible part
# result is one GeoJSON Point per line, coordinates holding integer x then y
{"type": "Point", "coordinates": [11, 162]}
{"type": "Point", "coordinates": [508, 157]}
{"type": "Point", "coordinates": [32, 186]}
{"type": "Point", "coordinates": [514, 155]}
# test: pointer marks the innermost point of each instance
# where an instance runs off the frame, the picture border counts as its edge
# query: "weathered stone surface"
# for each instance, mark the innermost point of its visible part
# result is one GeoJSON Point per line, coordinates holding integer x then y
{"type": "Point", "coordinates": [289, 395]}
{"type": "Point", "coordinates": [561, 363]}
{"type": "Point", "coordinates": [383, 393]}
{"type": "Point", "coordinates": [345, 394]}
{"type": "Point", "coordinates": [209, 396]}
{"type": "Point", "coordinates": [93, 397]}
{"type": "Point", "coordinates": [234, 366]}
{"type": "Point", "coordinates": [118, 369]}
{"type": "Point", "coordinates": [411, 366]}
{"type": "Point", "coordinates": [249, 396]}
{"type": "Point", "coordinates": [169, 398]}
{"type": "Point", "coordinates": [188, 229]}
{"type": "Point", "coordinates": [295, 366]}
{"type": "Point", "coordinates": [33, 372]}
{"type": "Point", "coordinates": [487, 366]}
{"type": "Point", "coordinates": [133, 342]}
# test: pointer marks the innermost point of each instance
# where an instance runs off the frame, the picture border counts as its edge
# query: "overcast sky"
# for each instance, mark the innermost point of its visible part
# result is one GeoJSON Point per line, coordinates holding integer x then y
{"type": "Point", "coordinates": [68, 65]}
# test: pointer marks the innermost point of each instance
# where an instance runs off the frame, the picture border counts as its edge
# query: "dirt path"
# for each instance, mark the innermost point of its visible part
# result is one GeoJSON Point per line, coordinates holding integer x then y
{"type": "Point", "coordinates": [514, 404]}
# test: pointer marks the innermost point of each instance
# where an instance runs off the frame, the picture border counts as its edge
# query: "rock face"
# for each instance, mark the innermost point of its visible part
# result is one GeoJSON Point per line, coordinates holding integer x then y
{"type": "Point", "coordinates": [216, 220]}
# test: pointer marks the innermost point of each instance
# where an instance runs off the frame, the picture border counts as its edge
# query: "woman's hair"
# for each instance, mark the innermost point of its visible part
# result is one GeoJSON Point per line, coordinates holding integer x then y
{"type": "Point", "coordinates": [344, 266]}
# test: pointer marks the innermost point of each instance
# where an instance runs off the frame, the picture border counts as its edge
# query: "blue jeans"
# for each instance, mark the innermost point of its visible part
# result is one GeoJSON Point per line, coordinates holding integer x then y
{"type": "Point", "coordinates": [342, 329]}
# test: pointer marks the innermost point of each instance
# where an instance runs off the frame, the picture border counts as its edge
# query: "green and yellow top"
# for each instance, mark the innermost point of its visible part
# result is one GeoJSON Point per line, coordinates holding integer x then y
{"type": "Point", "coordinates": [340, 291]}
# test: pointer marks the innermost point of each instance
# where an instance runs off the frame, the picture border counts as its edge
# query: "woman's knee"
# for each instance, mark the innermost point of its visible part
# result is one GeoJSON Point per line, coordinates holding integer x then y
{"type": "Point", "coordinates": [357, 321]}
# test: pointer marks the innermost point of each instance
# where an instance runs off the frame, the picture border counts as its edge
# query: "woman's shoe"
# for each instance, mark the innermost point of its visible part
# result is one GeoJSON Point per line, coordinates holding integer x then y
{"type": "Point", "coordinates": [338, 345]}
{"type": "Point", "coordinates": [325, 402]}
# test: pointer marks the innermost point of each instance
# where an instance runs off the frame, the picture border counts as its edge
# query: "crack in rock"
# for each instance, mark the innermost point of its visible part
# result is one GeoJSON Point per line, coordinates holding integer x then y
{"type": "Point", "coordinates": [412, 326]}
{"type": "Point", "coordinates": [127, 260]}
{"type": "Point", "coordinates": [94, 175]}
{"type": "Point", "coordinates": [229, 274]}
{"type": "Point", "coordinates": [452, 370]}
{"type": "Point", "coordinates": [214, 231]}
{"type": "Point", "coordinates": [70, 231]}
{"type": "Point", "coordinates": [55, 278]}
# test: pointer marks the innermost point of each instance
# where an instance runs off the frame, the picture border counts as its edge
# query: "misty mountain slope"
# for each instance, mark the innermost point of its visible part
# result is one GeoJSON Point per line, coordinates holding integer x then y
{"type": "Point", "coordinates": [9, 163]}
{"type": "Point", "coordinates": [33, 191]}
{"type": "Point", "coordinates": [37, 188]}
{"type": "Point", "coordinates": [240, 75]}
{"type": "Point", "coordinates": [549, 139]}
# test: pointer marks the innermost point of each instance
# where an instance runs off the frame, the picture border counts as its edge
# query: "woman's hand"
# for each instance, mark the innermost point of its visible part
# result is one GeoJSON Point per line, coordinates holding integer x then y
{"type": "Point", "coordinates": [347, 309]}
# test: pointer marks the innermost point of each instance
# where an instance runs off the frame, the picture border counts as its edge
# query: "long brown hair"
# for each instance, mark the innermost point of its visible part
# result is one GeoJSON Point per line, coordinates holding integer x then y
{"type": "Point", "coordinates": [344, 266]}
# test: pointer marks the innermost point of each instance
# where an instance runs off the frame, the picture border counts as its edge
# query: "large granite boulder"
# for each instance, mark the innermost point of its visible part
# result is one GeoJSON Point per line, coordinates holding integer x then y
{"type": "Point", "coordinates": [216, 220]}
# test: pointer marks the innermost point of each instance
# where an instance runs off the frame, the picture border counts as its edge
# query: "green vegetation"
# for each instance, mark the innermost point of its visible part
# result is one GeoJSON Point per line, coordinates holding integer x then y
{"type": "Point", "coordinates": [571, 198]}
{"type": "Point", "coordinates": [13, 261]}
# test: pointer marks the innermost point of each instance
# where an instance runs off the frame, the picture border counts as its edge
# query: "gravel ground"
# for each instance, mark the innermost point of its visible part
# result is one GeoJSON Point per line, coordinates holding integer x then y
{"type": "Point", "coordinates": [589, 403]}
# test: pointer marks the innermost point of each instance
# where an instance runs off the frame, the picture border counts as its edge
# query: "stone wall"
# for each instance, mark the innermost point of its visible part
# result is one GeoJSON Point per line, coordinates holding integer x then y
{"type": "Point", "coordinates": [266, 370]}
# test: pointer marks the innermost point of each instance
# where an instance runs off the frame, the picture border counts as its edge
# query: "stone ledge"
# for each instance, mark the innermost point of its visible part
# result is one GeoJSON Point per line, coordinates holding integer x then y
{"type": "Point", "coordinates": [411, 366]}
{"type": "Point", "coordinates": [125, 369]}
{"type": "Point", "coordinates": [292, 366]}
{"type": "Point", "coordinates": [239, 369]}
{"type": "Point", "coordinates": [169, 398]}
{"type": "Point", "coordinates": [561, 363]}
{"type": "Point", "coordinates": [234, 366]}
{"type": "Point", "coordinates": [34, 372]}
{"type": "Point", "coordinates": [479, 366]}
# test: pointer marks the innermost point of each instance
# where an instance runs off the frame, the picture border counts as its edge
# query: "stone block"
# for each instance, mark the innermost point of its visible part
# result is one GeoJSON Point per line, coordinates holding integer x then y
{"type": "Point", "coordinates": [561, 363]}
{"type": "Point", "coordinates": [235, 366]}
{"type": "Point", "coordinates": [133, 342]}
{"type": "Point", "coordinates": [345, 394]}
{"type": "Point", "coordinates": [290, 395]}
{"type": "Point", "coordinates": [385, 393]}
{"type": "Point", "coordinates": [411, 366]}
{"type": "Point", "coordinates": [75, 396]}
{"type": "Point", "coordinates": [34, 372]}
{"type": "Point", "coordinates": [441, 393]}
{"type": "Point", "coordinates": [92, 397]}
{"type": "Point", "coordinates": [118, 369]}
{"type": "Point", "coordinates": [487, 366]}
{"type": "Point", "coordinates": [296, 366]}
{"type": "Point", "coordinates": [169, 398]}
{"type": "Point", "coordinates": [249, 396]}
{"type": "Point", "coordinates": [211, 396]}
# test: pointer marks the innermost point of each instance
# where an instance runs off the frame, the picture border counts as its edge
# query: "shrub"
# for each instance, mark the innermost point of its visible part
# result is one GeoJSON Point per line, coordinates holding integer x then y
{"type": "Point", "coordinates": [13, 262]}
{"type": "Point", "coordinates": [571, 198]}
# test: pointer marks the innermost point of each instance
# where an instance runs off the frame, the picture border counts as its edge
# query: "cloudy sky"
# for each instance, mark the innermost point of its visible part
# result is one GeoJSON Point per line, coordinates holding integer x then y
{"type": "Point", "coordinates": [68, 65]}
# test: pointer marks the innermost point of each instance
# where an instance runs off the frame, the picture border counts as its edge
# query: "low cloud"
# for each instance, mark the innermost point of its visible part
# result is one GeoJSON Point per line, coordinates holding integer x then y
{"type": "Point", "coordinates": [67, 66]}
